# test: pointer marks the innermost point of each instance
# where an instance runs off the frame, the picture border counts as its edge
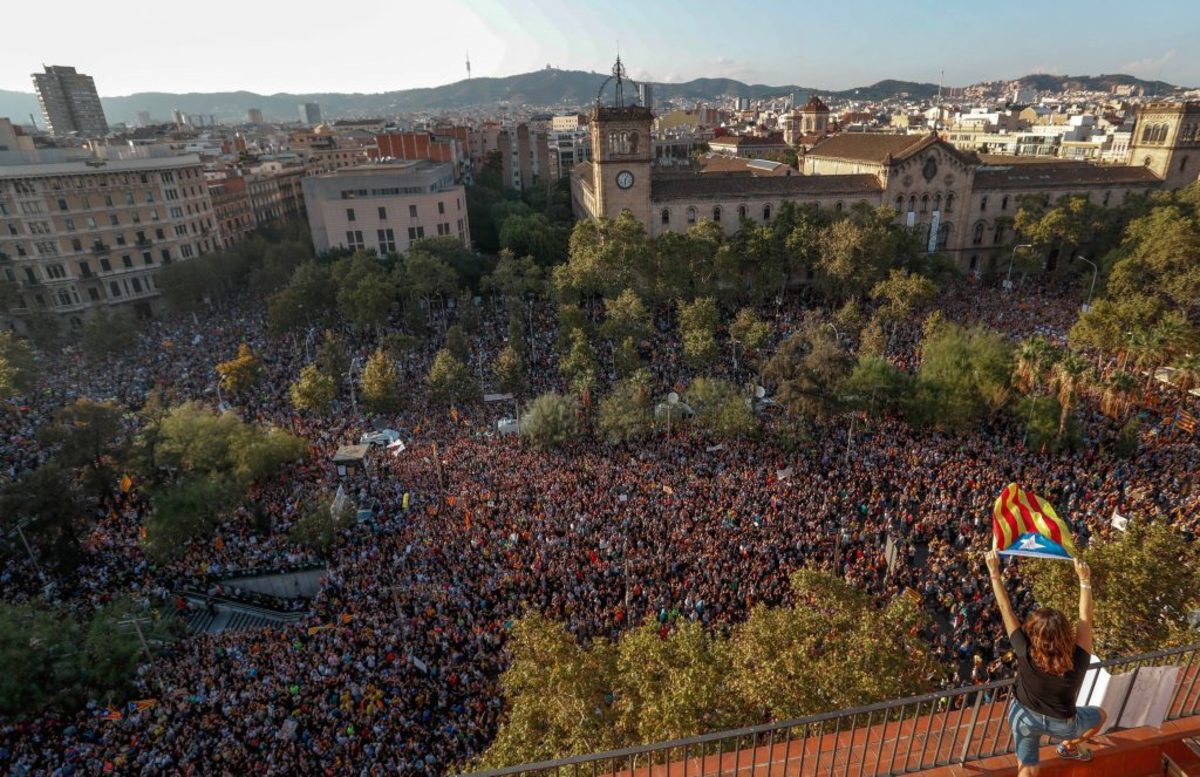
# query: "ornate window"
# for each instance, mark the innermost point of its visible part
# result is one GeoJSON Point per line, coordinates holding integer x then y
{"type": "Point", "coordinates": [949, 203]}
{"type": "Point", "coordinates": [900, 204]}
{"type": "Point", "coordinates": [691, 215]}
{"type": "Point", "coordinates": [838, 207]}
{"type": "Point", "coordinates": [924, 203]}
{"type": "Point", "coordinates": [666, 216]}
{"type": "Point", "coordinates": [1107, 195]}
{"type": "Point", "coordinates": [767, 212]}
{"type": "Point", "coordinates": [741, 213]}
{"type": "Point", "coordinates": [937, 202]}
{"type": "Point", "coordinates": [977, 238]}
{"type": "Point", "coordinates": [999, 234]}
{"type": "Point", "coordinates": [1146, 131]}
{"type": "Point", "coordinates": [912, 204]}
{"type": "Point", "coordinates": [1004, 202]}
{"type": "Point", "coordinates": [717, 213]}
{"type": "Point", "coordinates": [983, 204]}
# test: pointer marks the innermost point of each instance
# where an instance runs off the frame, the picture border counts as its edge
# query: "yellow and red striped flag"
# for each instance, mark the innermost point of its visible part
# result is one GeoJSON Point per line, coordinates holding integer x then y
{"type": "Point", "coordinates": [1024, 524]}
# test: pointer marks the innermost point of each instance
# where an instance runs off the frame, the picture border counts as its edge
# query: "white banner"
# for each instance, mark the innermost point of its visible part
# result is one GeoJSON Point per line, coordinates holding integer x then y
{"type": "Point", "coordinates": [1119, 522]}
{"type": "Point", "coordinates": [934, 226]}
{"type": "Point", "coordinates": [1148, 700]}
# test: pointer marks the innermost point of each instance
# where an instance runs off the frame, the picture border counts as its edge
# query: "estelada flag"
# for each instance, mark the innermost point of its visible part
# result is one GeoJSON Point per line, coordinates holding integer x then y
{"type": "Point", "coordinates": [110, 713]}
{"type": "Point", "coordinates": [1024, 524]}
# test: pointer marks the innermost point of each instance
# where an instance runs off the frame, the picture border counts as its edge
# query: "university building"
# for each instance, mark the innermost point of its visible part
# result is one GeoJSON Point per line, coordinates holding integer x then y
{"type": "Point", "coordinates": [962, 203]}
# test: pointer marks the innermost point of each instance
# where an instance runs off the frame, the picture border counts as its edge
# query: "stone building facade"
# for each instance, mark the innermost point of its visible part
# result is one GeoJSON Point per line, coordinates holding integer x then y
{"type": "Point", "coordinates": [961, 203]}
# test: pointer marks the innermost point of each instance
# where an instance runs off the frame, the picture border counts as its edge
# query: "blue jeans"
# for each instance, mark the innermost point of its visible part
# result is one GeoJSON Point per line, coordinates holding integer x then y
{"type": "Point", "coordinates": [1028, 727]}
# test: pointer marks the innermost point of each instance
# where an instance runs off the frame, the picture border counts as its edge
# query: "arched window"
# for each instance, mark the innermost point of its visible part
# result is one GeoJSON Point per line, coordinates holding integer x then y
{"type": "Point", "coordinates": [666, 216]}
{"type": "Point", "coordinates": [1107, 195]}
{"type": "Point", "coordinates": [949, 203]}
{"type": "Point", "coordinates": [999, 238]}
{"type": "Point", "coordinates": [767, 212]}
{"type": "Point", "coordinates": [974, 261]}
{"type": "Point", "coordinates": [943, 236]}
{"type": "Point", "coordinates": [912, 204]}
{"type": "Point", "coordinates": [741, 213]}
{"type": "Point", "coordinates": [1146, 132]}
{"type": "Point", "coordinates": [1004, 202]}
{"type": "Point", "coordinates": [977, 239]}
{"type": "Point", "coordinates": [983, 204]}
{"type": "Point", "coordinates": [1161, 136]}
{"type": "Point", "coordinates": [691, 215]}
{"type": "Point", "coordinates": [900, 204]}
{"type": "Point", "coordinates": [838, 207]}
{"type": "Point", "coordinates": [1183, 164]}
{"type": "Point", "coordinates": [937, 202]}
{"type": "Point", "coordinates": [632, 143]}
{"type": "Point", "coordinates": [924, 203]}
{"type": "Point", "coordinates": [716, 213]}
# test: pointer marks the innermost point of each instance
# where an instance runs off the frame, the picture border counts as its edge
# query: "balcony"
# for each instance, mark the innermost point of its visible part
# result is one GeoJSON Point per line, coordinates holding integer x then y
{"type": "Point", "coordinates": [143, 242]}
{"type": "Point", "coordinates": [934, 735]}
{"type": "Point", "coordinates": [100, 248]}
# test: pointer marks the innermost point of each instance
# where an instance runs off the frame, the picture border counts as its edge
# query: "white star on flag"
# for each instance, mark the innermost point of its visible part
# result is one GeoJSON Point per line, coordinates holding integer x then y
{"type": "Point", "coordinates": [1029, 543]}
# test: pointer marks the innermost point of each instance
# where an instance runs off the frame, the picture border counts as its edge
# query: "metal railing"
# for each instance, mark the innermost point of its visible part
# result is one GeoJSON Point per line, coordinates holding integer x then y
{"type": "Point", "coordinates": [878, 740]}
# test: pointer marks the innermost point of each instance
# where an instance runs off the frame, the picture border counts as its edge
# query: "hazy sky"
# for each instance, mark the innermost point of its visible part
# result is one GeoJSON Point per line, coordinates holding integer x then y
{"type": "Point", "coordinates": [378, 45]}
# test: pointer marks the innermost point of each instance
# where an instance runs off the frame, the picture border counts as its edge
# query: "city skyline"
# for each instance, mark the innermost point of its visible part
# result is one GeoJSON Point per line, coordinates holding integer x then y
{"type": "Point", "coordinates": [853, 44]}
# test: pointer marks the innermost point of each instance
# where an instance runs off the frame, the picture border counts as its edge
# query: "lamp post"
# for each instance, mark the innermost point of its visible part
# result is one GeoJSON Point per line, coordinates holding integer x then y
{"type": "Point", "coordinates": [1087, 306]}
{"type": "Point", "coordinates": [836, 333]}
{"type": "Point", "coordinates": [1011, 258]}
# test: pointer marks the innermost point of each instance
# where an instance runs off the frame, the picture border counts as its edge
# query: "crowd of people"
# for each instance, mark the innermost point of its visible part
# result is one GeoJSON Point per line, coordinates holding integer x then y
{"type": "Point", "coordinates": [395, 667]}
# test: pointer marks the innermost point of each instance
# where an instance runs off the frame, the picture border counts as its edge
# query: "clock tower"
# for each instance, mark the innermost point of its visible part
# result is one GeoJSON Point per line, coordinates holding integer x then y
{"type": "Point", "coordinates": [621, 152]}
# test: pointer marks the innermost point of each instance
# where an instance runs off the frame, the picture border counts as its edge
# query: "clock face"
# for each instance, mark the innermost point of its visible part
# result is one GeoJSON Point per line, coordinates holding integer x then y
{"type": "Point", "coordinates": [624, 179]}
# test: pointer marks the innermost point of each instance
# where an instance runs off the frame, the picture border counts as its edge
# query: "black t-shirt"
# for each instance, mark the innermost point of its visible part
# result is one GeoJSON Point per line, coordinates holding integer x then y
{"type": "Point", "coordinates": [1045, 693]}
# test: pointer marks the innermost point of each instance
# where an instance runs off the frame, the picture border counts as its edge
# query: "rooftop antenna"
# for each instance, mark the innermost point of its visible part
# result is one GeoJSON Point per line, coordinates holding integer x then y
{"type": "Point", "coordinates": [468, 65]}
{"type": "Point", "coordinates": [938, 121]}
{"type": "Point", "coordinates": [33, 121]}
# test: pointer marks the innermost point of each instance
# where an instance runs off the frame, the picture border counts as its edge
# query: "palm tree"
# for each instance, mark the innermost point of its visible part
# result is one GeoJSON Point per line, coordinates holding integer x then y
{"type": "Point", "coordinates": [1069, 377]}
{"type": "Point", "coordinates": [1035, 356]}
{"type": "Point", "coordinates": [1118, 394]}
{"type": "Point", "coordinates": [1188, 376]}
{"type": "Point", "coordinates": [1146, 348]}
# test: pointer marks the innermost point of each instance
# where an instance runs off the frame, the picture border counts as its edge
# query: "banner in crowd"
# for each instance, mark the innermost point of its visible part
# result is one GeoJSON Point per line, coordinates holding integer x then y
{"type": "Point", "coordinates": [1024, 524]}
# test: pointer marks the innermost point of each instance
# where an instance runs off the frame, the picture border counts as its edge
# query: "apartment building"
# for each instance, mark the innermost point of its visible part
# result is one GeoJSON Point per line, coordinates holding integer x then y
{"type": "Point", "coordinates": [69, 102]}
{"type": "Point", "coordinates": [231, 207]}
{"type": "Point", "coordinates": [386, 206]}
{"type": "Point", "coordinates": [81, 235]}
{"type": "Point", "coordinates": [276, 193]}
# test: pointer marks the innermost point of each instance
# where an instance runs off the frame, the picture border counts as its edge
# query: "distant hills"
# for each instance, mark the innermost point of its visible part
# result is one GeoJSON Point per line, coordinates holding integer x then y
{"type": "Point", "coordinates": [550, 89]}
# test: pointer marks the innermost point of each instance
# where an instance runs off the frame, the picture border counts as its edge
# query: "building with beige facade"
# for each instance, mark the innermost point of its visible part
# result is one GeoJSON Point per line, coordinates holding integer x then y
{"type": "Point", "coordinates": [960, 202]}
{"type": "Point", "coordinates": [84, 235]}
{"type": "Point", "coordinates": [386, 206]}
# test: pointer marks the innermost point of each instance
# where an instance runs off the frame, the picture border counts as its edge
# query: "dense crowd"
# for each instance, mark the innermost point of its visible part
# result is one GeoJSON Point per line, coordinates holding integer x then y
{"type": "Point", "coordinates": [395, 666]}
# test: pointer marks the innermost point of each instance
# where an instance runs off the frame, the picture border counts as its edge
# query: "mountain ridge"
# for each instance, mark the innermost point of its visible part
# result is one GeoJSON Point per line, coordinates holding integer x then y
{"type": "Point", "coordinates": [548, 88]}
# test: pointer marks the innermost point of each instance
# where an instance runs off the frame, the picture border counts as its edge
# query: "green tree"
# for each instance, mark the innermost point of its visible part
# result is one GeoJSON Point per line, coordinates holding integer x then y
{"type": "Point", "coordinates": [381, 383]}
{"type": "Point", "coordinates": [900, 294]}
{"type": "Point", "coordinates": [307, 300]}
{"type": "Point", "coordinates": [1069, 378]}
{"type": "Point", "coordinates": [1042, 415]}
{"type": "Point", "coordinates": [806, 371]}
{"type": "Point", "coordinates": [1034, 359]}
{"type": "Point", "coordinates": [184, 510]}
{"type": "Point", "coordinates": [675, 687]}
{"type": "Point", "coordinates": [721, 408]}
{"type": "Point", "coordinates": [317, 525]}
{"type": "Point", "coordinates": [698, 331]}
{"type": "Point", "coordinates": [17, 366]}
{"type": "Point", "coordinates": [510, 371]}
{"type": "Point", "coordinates": [876, 386]}
{"type": "Point", "coordinates": [314, 390]}
{"type": "Point", "coordinates": [550, 420]}
{"type": "Point", "coordinates": [243, 372]}
{"type": "Point", "coordinates": [579, 364]}
{"type": "Point", "coordinates": [626, 316]}
{"type": "Point", "coordinates": [834, 648]}
{"type": "Point", "coordinates": [559, 696]}
{"type": "Point", "coordinates": [1146, 580]}
{"type": "Point", "coordinates": [425, 277]}
{"type": "Point", "coordinates": [449, 380]}
{"type": "Point", "coordinates": [515, 279]}
{"type": "Point", "coordinates": [748, 332]}
{"type": "Point", "coordinates": [90, 438]}
{"type": "Point", "coordinates": [332, 358]}
{"type": "Point", "coordinates": [457, 343]}
{"type": "Point", "coordinates": [964, 376]}
{"type": "Point", "coordinates": [467, 313]}
{"type": "Point", "coordinates": [52, 509]}
{"type": "Point", "coordinates": [106, 334]}
{"type": "Point", "coordinates": [626, 413]}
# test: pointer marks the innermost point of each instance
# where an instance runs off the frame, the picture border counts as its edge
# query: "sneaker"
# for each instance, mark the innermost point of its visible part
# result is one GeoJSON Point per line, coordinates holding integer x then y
{"type": "Point", "coordinates": [1077, 753]}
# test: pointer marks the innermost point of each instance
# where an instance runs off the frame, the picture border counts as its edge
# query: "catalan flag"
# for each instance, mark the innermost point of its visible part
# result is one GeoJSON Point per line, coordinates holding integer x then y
{"type": "Point", "coordinates": [110, 713]}
{"type": "Point", "coordinates": [141, 705]}
{"type": "Point", "coordinates": [1024, 524]}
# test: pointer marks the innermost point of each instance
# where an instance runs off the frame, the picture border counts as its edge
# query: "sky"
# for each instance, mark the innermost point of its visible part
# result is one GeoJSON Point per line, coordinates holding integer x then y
{"type": "Point", "coordinates": [306, 46]}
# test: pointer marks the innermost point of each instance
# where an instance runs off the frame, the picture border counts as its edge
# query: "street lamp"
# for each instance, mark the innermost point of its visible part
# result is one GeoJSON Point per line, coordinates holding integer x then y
{"type": "Point", "coordinates": [836, 333]}
{"type": "Point", "coordinates": [1012, 257]}
{"type": "Point", "coordinates": [1087, 306]}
